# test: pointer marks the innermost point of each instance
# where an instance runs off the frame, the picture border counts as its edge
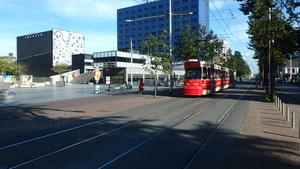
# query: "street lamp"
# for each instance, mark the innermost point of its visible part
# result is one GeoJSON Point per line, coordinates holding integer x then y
{"type": "Point", "coordinates": [170, 34]}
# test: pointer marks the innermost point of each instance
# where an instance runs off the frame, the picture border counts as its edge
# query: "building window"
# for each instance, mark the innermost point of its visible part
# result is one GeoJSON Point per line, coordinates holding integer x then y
{"type": "Point", "coordinates": [185, 8]}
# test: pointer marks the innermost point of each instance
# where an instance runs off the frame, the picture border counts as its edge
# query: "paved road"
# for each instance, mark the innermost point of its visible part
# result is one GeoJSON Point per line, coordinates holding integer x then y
{"type": "Point", "coordinates": [265, 140]}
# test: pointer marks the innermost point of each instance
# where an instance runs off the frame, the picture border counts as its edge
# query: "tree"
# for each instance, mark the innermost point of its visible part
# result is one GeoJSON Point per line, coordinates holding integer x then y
{"type": "Point", "coordinates": [185, 45]}
{"type": "Point", "coordinates": [158, 53]}
{"type": "Point", "coordinates": [21, 69]}
{"type": "Point", "coordinates": [197, 44]}
{"type": "Point", "coordinates": [273, 26]}
{"type": "Point", "coordinates": [236, 63]}
{"type": "Point", "coordinates": [7, 65]}
{"type": "Point", "coordinates": [60, 68]}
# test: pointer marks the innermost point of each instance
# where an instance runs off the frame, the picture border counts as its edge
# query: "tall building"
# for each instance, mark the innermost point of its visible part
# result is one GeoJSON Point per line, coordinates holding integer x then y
{"type": "Point", "coordinates": [40, 51]}
{"type": "Point", "coordinates": [137, 22]}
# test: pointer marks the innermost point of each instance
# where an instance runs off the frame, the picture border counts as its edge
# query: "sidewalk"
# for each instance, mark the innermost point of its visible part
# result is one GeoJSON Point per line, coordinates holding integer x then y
{"type": "Point", "coordinates": [267, 140]}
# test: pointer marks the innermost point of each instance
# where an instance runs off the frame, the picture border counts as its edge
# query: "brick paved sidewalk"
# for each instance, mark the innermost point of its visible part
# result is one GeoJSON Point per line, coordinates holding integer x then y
{"type": "Point", "coordinates": [267, 139]}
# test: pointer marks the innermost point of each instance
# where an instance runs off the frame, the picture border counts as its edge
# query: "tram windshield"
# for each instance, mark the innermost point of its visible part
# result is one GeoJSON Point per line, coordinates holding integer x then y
{"type": "Point", "coordinates": [193, 74]}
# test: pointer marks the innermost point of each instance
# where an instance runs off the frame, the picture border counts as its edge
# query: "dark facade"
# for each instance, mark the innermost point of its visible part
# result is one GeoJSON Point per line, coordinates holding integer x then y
{"type": "Point", "coordinates": [153, 17]}
{"type": "Point", "coordinates": [80, 61]}
{"type": "Point", "coordinates": [41, 51]}
{"type": "Point", "coordinates": [36, 52]}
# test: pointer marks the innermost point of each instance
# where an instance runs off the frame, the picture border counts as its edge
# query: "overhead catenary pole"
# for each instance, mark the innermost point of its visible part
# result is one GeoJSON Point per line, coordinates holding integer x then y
{"type": "Point", "coordinates": [131, 62]}
{"type": "Point", "coordinates": [271, 61]}
{"type": "Point", "coordinates": [170, 45]}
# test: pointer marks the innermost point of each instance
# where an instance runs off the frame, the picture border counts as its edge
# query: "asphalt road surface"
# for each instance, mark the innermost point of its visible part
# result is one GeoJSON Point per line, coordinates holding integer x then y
{"type": "Point", "coordinates": [176, 132]}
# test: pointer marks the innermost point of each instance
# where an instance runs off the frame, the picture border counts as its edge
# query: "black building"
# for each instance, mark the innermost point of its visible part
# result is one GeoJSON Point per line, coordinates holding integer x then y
{"type": "Point", "coordinates": [40, 51]}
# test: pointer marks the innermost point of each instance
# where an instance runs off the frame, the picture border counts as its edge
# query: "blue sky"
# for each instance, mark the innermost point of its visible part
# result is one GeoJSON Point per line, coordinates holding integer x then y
{"type": "Point", "coordinates": [97, 20]}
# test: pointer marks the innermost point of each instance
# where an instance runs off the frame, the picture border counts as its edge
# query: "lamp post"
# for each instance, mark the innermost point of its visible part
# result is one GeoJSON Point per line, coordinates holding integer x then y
{"type": "Point", "coordinates": [170, 34]}
{"type": "Point", "coordinates": [131, 84]}
{"type": "Point", "coordinates": [170, 45]}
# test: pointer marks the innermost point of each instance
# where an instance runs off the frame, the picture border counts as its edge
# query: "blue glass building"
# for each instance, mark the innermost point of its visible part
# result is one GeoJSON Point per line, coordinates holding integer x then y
{"type": "Point", "coordinates": [153, 16]}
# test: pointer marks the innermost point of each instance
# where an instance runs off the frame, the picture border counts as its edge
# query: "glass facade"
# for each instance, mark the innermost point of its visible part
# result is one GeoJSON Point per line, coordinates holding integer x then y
{"type": "Point", "coordinates": [153, 16]}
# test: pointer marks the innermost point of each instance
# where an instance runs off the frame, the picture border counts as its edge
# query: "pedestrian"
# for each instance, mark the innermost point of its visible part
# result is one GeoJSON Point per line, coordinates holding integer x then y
{"type": "Point", "coordinates": [141, 87]}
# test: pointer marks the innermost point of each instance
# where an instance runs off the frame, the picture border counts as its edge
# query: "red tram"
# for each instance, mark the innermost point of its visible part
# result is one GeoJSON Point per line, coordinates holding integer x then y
{"type": "Point", "coordinates": [202, 78]}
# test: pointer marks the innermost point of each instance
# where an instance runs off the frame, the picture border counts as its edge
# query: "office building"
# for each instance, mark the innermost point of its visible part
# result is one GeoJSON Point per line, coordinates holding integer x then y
{"type": "Point", "coordinates": [153, 17]}
{"type": "Point", "coordinates": [40, 51]}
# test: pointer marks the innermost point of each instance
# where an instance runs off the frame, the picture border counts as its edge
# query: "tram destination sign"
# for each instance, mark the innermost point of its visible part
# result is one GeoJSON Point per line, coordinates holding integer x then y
{"type": "Point", "coordinates": [192, 64]}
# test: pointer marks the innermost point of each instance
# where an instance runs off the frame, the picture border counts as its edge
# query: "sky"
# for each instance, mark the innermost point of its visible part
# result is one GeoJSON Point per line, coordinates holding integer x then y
{"type": "Point", "coordinates": [97, 20]}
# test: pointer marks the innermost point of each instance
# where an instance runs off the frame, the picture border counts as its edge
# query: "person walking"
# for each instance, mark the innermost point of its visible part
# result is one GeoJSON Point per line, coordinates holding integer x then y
{"type": "Point", "coordinates": [141, 87]}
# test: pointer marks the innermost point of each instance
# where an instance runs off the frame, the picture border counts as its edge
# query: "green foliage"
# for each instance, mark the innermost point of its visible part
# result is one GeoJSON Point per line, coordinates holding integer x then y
{"type": "Point", "coordinates": [238, 64]}
{"type": "Point", "coordinates": [198, 44]}
{"type": "Point", "coordinates": [60, 68]}
{"type": "Point", "coordinates": [7, 65]}
{"type": "Point", "coordinates": [158, 52]}
{"type": "Point", "coordinates": [268, 97]}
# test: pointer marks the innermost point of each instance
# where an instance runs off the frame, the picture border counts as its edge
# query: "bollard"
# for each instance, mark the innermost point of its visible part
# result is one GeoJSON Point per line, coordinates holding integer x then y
{"type": "Point", "coordinates": [293, 120]}
{"type": "Point", "coordinates": [282, 108]}
{"type": "Point", "coordinates": [288, 114]}
{"type": "Point", "coordinates": [279, 105]}
{"type": "Point", "coordinates": [97, 88]}
{"type": "Point", "coordinates": [278, 101]}
{"type": "Point", "coordinates": [275, 100]}
{"type": "Point", "coordinates": [299, 129]}
{"type": "Point", "coordinates": [286, 109]}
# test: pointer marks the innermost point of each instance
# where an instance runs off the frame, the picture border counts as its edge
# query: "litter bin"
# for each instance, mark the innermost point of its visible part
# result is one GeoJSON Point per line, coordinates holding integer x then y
{"type": "Point", "coordinates": [97, 88]}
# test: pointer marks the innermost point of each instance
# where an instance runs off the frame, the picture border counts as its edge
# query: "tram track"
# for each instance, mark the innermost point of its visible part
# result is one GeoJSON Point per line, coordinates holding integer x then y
{"type": "Point", "coordinates": [125, 113]}
{"type": "Point", "coordinates": [147, 108]}
{"type": "Point", "coordinates": [190, 160]}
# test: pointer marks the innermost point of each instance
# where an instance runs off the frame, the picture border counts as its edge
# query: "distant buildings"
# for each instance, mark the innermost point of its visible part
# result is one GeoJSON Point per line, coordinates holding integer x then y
{"type": "Point", "coordinates": [153, 16]}
{"type": "Point", "coordinates": [43, 50]}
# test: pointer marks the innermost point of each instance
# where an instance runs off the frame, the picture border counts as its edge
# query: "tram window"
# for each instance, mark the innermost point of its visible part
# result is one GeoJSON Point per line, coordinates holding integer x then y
{"type": "Point", "coordinates": [204, 73]}
{"type": "Point", "coordinates": [193, 74]}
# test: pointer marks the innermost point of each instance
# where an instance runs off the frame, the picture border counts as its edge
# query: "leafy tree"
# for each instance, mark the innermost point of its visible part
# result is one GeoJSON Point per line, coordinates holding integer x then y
{"type": "Point", "coordinates": [276, 29]}
{"type": "Point", "coordinates": [237, 64]}
{"type": "Point", "coordinates": [158, 52]}
{"type": "Point", "coordinates": [197, 44]}
{"type": "Point", "coordinates": [7, 65]}
{"type": "Point", "coordinates": [185, 45]}
{"type": "Point", "coordinates": [20, 70]}
{"type": "Point", "coordinates": [60, 68]}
